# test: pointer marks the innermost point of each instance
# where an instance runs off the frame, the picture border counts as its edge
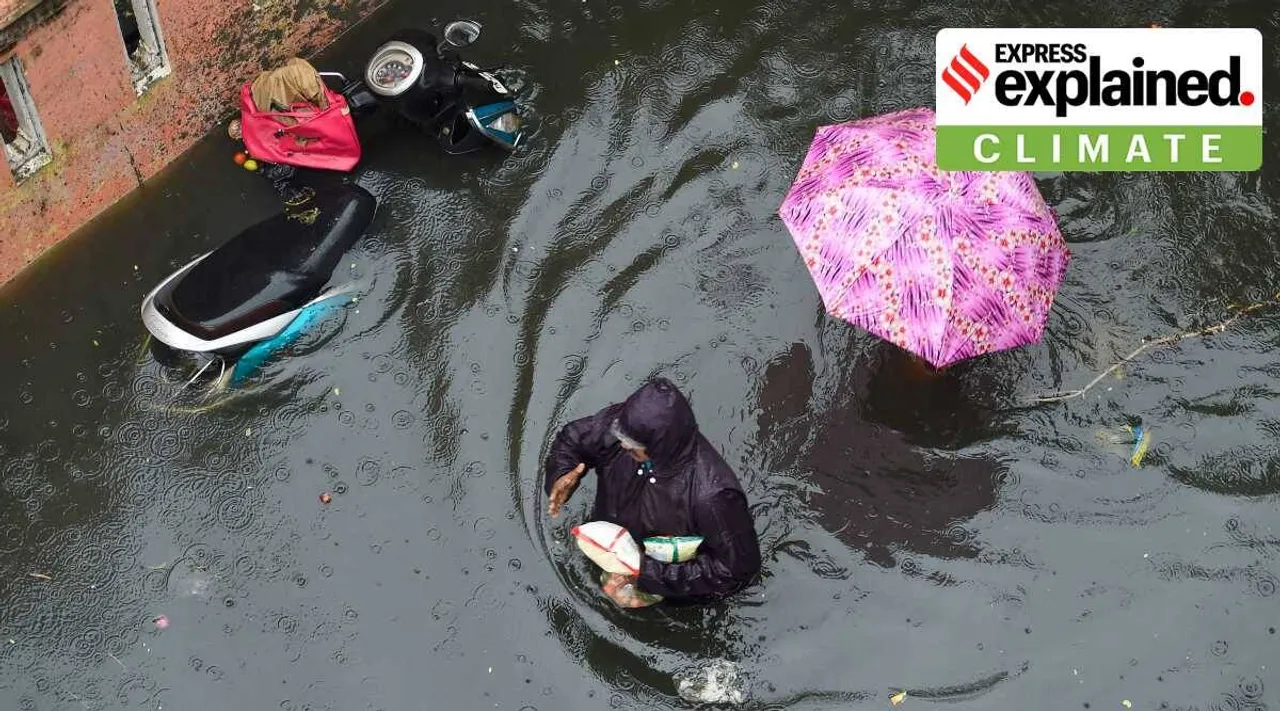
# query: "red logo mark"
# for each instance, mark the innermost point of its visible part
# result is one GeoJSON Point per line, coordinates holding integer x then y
{"type": "Point", "coordinates": [965, 74]}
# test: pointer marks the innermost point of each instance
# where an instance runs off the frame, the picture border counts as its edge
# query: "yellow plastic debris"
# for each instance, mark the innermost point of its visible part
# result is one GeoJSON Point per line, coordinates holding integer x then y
{"type": "Point", "coordinates": [1127, 703]}
{"type": "Point", "coordinates": [1140, 448]}
{"type": "Point", "coordinates": [898, 698]}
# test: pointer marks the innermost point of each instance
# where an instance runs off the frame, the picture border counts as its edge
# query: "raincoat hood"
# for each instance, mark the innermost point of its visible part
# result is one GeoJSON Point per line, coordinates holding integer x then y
{"type": "Point", "coordinates": [659, 417]}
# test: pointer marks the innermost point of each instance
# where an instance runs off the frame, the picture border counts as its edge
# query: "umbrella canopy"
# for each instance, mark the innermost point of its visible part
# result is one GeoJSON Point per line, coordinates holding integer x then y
{"type": "Point", "coordinates": [948, 265]}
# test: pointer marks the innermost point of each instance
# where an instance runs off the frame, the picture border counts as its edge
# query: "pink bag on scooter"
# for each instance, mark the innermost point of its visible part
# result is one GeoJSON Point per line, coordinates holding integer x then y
{"type": "Point", "coordinates": [319, 138]}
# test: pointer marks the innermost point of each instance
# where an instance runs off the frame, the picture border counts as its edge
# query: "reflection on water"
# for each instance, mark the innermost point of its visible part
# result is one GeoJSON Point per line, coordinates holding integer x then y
{"type": "Point", "coordinates": [870, 485]}
{"type": "Point", "coordinates": [933, 535]}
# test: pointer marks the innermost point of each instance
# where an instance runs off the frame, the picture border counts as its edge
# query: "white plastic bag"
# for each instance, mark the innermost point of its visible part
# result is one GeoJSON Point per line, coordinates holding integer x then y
{"type": "Point", "coordinates": [609, 546]}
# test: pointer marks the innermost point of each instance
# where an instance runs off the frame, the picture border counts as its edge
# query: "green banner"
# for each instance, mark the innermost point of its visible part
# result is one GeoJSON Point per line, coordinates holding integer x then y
{"type": "Point", "coordinates": [1100, 148]}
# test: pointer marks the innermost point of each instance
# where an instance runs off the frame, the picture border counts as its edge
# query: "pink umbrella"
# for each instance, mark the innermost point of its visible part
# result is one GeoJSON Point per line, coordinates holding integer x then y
{"type": "Point", "coordinates": [948, 265]}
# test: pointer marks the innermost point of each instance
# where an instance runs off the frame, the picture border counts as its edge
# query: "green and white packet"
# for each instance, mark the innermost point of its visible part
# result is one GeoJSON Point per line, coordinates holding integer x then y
{"type": "Point", "coordinates": [672, 549]}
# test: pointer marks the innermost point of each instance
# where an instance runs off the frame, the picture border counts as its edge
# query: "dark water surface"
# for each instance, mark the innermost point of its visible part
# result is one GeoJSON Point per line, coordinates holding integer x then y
{"type": "Point", "coordinates": [945, 538]}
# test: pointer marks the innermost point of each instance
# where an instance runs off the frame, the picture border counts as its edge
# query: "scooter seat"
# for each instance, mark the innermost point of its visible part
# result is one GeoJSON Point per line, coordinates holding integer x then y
{"type": "Point", "coordinates": [271, 268]}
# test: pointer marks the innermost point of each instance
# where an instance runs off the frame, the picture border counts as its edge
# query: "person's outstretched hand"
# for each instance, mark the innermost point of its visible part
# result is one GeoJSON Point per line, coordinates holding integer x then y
{"type": "Point", "coordinates": [564, 488]}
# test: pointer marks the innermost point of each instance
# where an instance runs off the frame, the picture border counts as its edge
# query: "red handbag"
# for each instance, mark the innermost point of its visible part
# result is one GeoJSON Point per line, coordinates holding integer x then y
{"type": "Point", "coordinates": [320, 138]}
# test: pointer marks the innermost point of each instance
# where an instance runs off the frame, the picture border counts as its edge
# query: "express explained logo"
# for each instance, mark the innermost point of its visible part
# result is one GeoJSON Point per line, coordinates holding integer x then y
{"type": "Point", "coordinates": [1098, 99]}
{"type": "Point", "coordinates": [1135, 86]}
{"type": "Point", "coordinates": [965, 74]}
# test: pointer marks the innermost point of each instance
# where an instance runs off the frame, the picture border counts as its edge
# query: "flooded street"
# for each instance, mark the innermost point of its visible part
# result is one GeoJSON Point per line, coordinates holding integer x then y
{"type": "Point", "coordinates": [953, 540]}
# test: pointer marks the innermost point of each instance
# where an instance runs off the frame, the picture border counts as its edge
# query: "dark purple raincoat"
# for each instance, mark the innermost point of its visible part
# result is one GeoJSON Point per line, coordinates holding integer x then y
{"type": "Point", "coordinates": [688, 491]}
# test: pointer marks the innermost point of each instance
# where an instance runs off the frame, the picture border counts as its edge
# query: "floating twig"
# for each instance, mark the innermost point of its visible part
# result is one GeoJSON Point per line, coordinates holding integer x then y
{"type": "Point", "coordinates": [1207, 331]}
{"type": "Point", "coordinates": [40, 576]}
{"type": "Point", "coordinates": [117, 661]}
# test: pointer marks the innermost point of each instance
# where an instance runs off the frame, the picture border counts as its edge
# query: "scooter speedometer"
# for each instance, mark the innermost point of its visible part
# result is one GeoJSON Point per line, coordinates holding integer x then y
{"type": "Point", "coordinates": [394, 68]}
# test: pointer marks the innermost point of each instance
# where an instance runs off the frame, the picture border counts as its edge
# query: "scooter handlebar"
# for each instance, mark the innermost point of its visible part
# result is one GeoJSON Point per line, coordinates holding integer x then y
{"type": "Point", "coordinates": [467, 80]}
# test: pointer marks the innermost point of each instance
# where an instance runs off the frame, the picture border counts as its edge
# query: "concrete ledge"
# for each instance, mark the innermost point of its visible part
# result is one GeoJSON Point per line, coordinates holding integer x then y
{"type": "Point", "coordinates": [18, 17]}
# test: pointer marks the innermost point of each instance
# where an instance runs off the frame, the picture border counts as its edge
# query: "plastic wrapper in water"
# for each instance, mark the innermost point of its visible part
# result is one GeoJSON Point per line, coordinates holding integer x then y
{"type": "Point", "coordinates": [719, 682]}
{"type": "Point", "coordinates": [187, 579]}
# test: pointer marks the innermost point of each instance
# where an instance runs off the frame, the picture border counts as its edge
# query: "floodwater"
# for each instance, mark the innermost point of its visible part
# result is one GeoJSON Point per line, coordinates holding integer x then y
{"type": "Point", "coordinates": [944, 538]}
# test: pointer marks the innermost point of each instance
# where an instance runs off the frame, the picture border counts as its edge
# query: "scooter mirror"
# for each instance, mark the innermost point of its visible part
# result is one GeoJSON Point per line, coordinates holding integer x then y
{"type": "Point", "coordinates": [461, 33]}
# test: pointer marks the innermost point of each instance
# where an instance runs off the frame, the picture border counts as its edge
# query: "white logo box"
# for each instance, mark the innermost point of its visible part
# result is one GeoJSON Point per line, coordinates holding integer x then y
{"type": "Point", "coordinates": [1173, 48]}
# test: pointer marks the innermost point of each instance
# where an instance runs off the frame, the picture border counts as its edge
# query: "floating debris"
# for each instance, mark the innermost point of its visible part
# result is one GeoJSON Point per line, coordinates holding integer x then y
{"type": "Point", "coordinates": [1240, 312]}
{"type": "Point", "coordinates": [1141, 441]}
{"type": "Point", "coordinates": [1137, 436]}
{"type": "Point", "coordinates": [40, 576]}
{"type": "Point", "coordinates": [716, 683]}
{"type": "Point", "coordinates": [898, 698]}
{"type": "Point", "coordinates": [187, 579]}
{"type": "Point", "coordinates": [161, 622]}
{"type": "Point", "coordinates": [326, 498]}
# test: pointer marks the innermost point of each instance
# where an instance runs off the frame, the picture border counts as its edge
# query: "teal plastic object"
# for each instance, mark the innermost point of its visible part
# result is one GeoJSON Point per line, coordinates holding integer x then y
{"type": "Point", "coordinates": [490, 117]}
{"type": "Point", "coordinates": [253, 360]}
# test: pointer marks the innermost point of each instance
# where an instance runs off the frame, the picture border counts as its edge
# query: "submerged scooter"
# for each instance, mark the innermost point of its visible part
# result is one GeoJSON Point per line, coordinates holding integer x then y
{"type": "Point", "coordinates": [257, 293]}
{"type": "Point", "coordinates": [423, 81]}
{"type": "Point", "coordinates": [429, 84]}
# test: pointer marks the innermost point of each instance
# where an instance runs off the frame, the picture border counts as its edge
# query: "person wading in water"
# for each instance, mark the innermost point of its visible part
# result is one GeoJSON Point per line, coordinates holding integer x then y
{"type": "Point", "coordinates": [656, 475]}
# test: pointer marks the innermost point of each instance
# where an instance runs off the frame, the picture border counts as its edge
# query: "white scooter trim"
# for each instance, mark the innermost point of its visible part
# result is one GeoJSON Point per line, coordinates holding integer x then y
{"type": "Point", "coordinates": [171, 335]}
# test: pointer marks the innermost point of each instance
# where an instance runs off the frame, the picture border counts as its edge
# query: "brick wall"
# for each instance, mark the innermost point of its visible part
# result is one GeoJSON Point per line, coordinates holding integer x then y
{"type": "Point", "coordinates": [103, 138]}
